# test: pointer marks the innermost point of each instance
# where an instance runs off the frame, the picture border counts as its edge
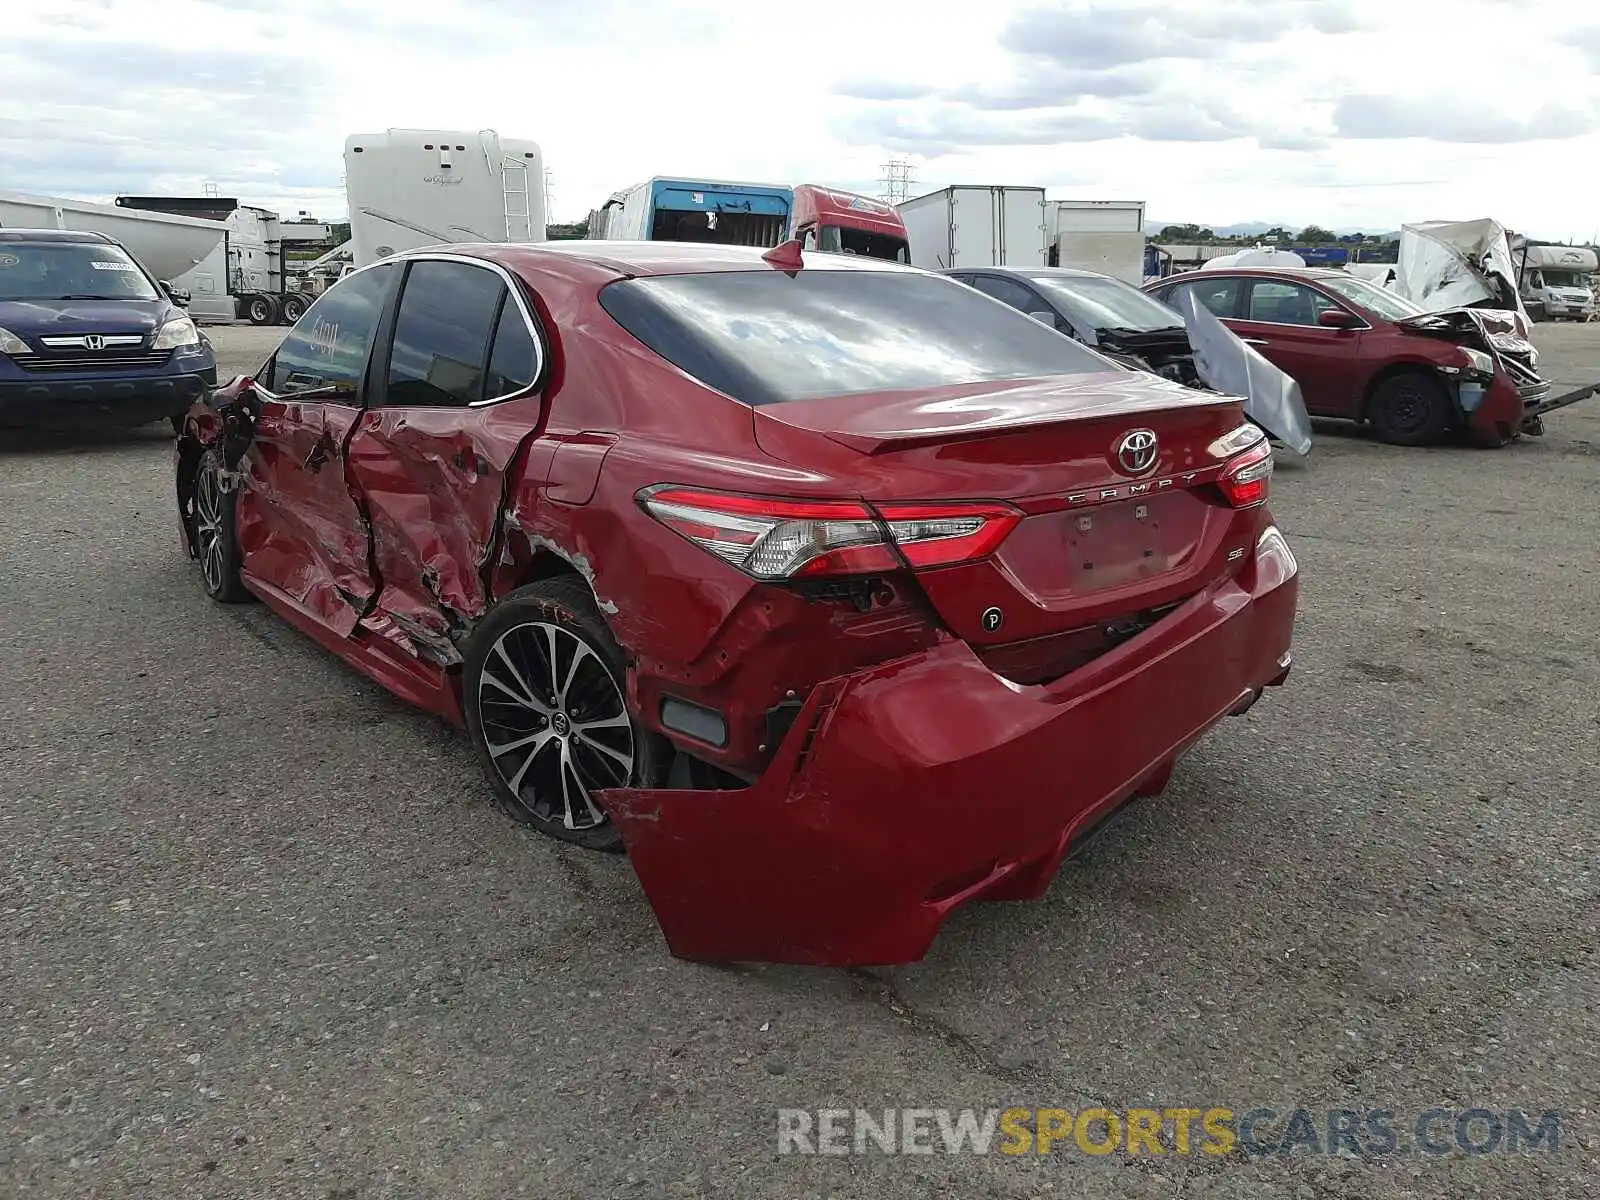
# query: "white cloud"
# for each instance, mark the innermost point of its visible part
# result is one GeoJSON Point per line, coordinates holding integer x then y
{"type": "Point", "coordinates": [1341, 112]}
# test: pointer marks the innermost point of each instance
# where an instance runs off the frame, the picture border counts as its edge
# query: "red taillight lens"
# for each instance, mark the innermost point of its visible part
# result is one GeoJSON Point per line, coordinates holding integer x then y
{"type": "Point", "coordinates": [1245, 477]}
{"type": "Point", "coordinates": [775, 539]}
{"type": "Point", "coordinates": [803, 539]}
{"type": "Point", "coordinates": [937, 535]}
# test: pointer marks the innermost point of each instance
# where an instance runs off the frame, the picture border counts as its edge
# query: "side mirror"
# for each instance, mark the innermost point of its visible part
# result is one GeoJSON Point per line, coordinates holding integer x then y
{"type": "Point", "coordinates": [1338, 318]}
{"type": "Point", "coordinates": [1047, 318]}
{"type": "Point", "coordinates": [177, 295]}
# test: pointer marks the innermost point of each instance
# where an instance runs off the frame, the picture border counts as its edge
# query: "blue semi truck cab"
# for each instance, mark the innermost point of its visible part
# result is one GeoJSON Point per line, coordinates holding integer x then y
{"type": "Point", "coordinates": [696, 210]}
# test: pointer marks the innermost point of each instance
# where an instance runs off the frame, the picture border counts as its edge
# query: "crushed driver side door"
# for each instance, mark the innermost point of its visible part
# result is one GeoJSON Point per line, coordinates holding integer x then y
{"type": "Point", "coordinates": [300, 529]}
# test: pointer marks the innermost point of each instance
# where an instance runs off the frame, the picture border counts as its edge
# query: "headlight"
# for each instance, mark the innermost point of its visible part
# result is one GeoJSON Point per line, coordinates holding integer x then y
{"type": "Point", "coordinates": [181, 332]}
{"type": "Point", "coordinates": [1478, 360]}
{"type": "Point", "coordinates": [10, 343]}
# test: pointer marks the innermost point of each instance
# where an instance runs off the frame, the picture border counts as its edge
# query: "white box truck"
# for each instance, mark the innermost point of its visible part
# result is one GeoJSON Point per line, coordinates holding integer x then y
{"type": "Point", "coordinates": [977, 227]}
{"type": "Point", "coordinates": [1107, 236]}
{"type": "Point", "coordinates": [409, 188]}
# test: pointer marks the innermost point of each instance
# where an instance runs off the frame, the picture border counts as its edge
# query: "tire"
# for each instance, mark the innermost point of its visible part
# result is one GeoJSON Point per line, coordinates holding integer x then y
{"type": "Point", "coordinates": [215, 543]}
{"type": "Point", "coordinates": [508, 663]}
{"type": "Point", "coordinates": [261, 310]}
{"type": "Point", "coordinates": [293, 308]}
{"type": "Point", "coordinates": [1411, 409]}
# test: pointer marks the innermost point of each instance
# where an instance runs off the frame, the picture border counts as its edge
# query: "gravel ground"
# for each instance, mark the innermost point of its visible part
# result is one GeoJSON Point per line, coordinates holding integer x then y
{"type": "Point", "coordinates": [262, 935]}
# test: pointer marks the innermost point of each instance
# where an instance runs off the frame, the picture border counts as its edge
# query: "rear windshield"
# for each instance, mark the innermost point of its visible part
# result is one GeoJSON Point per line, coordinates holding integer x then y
{"type": "Point", "coordinates": [70, 271]}
{"type": "Point", "coordinates": [764, 337]}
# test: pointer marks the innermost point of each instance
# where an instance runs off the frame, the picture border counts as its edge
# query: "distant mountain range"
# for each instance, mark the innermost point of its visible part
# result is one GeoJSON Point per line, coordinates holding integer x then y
{"type": "Point", "coordinates": [1257, 228]}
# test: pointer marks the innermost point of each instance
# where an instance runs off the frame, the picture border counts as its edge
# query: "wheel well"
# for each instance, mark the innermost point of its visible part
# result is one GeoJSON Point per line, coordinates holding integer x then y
{"type": "Point", "coordinates": [1395, 371]}
{"type": "Point", "coordinates": [541, 564]}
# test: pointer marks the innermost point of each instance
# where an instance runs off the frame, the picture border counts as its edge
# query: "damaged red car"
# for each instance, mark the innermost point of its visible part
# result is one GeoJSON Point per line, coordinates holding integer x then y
{"type": "Point", "coordinates": [1363, 353]}
{"type": "Point", "coordinates": [836, 592]}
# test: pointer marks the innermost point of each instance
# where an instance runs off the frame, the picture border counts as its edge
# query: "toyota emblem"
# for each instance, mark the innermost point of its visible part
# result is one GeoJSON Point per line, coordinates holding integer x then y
{"type": "Point", "coordinates": [94, 341]}
{"type": "Point", "coordinates": [1137, 451]}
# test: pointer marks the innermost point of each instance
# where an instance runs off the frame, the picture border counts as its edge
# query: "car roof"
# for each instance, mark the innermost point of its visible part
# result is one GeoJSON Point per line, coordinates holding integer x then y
{"type": "Point", "coordinates": [81, 236]}
{"type": "Point", "coordinates": [629, 259]}
{"type": "Point", "coordinates": [1270, 272]}
{"type": "Point", "coordinates": [1031, 272]}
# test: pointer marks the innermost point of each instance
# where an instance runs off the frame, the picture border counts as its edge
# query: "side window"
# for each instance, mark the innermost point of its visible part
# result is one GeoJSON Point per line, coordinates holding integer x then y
{"type": "Point", "coordinates": [442, 332]}
{"type": "Point", "coordinates": [513, 362]}
{"type": "Point", "coordinates": [1221, 296]}
{"type": "Point", "coordinates": [1286, 303]}
{"type": "Point", "coordinates": [1009, 292]}
{"type": "Point", "coordinates": [328, 346]}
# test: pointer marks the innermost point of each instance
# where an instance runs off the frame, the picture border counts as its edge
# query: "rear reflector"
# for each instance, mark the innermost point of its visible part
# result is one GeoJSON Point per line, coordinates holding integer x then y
{"type": "Point", "coordinates": [771, 538]}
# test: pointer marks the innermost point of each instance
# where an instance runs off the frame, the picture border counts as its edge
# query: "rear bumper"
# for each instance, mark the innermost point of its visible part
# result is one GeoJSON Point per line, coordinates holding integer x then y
{"type": "Point", "coordinates": [903, 791]}
{"type": "Point", "coordinates": [112, 401]}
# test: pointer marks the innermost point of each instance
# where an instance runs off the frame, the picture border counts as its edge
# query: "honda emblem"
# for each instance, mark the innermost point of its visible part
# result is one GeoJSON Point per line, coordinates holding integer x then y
{"type": "Point", "coordinates": [94, 341]}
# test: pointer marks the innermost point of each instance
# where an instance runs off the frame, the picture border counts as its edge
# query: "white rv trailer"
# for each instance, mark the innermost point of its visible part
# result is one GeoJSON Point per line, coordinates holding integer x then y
{"type": "Point", "coordinates": [409, 188]}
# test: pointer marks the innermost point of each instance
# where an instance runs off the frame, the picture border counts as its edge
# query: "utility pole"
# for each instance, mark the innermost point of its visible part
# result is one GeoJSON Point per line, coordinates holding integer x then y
{"type": "Point", "coordinates": [896, 180]}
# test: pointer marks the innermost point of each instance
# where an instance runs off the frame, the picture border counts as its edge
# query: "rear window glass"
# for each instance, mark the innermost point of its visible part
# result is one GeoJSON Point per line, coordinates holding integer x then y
{"type": "Point", "coordinates": [764, 337]}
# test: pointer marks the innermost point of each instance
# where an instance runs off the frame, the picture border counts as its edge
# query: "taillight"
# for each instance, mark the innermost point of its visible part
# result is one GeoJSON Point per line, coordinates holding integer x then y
{"type": "Point", "coordinates": [937, 535]}
{"type": "Point", "coordinates": [1247, 468]}
{"type": "Point", "coordinates": [1245, 477]}
{"type": "Point", "coordinates": [802, 539]}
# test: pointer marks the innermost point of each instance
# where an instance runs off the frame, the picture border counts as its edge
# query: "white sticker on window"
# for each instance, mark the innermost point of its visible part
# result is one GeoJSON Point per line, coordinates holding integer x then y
{"type": "Point", "coordinates": [102, 265]}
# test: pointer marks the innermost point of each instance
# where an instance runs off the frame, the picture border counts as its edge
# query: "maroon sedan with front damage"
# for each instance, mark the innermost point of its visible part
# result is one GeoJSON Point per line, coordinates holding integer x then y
{"type": "Point", "coordinates": [1361, 352]}
{"type": "Point", "coordinates": [836, 592]}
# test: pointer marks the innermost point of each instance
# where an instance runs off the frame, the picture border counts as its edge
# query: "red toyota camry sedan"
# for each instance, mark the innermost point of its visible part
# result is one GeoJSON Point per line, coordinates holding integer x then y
{"type": "Point", "coordinates": [835, 592]}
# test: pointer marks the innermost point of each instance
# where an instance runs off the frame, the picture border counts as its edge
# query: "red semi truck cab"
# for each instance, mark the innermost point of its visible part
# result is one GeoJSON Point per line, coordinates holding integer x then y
{"type": "Point", "coordinates": [844, 223]}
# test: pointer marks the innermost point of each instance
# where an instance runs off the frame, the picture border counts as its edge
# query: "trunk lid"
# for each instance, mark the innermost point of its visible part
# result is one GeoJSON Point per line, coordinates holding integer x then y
{"type": "Point", "coordinates": [1104, 538]}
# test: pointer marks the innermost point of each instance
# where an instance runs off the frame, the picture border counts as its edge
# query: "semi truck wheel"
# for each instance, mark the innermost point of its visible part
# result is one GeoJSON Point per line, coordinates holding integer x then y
{"type": "Point", "coordinates": [294, 307]}
{"type": "Point", "coordinates": [261, 310]}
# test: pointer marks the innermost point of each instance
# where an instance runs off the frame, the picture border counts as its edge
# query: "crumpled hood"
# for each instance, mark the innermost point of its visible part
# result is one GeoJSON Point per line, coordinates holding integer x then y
{"type": "Point", "coordinates": [36, 318]}
{"type": "Point", "coordinates": [1500, 328]}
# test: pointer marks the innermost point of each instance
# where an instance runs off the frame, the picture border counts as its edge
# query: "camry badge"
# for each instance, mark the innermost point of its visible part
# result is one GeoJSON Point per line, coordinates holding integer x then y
{"type": "Point", "coordinates": [1137, 451]}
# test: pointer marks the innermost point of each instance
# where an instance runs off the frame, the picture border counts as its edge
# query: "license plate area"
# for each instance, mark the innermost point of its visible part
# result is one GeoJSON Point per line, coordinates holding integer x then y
{"type": "Point", "coordinates": [1113, 545]}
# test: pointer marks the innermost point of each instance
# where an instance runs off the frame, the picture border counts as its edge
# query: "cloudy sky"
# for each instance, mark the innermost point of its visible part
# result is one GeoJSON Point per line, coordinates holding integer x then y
{"type": "Point", "coordinates": [1359, 113]}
